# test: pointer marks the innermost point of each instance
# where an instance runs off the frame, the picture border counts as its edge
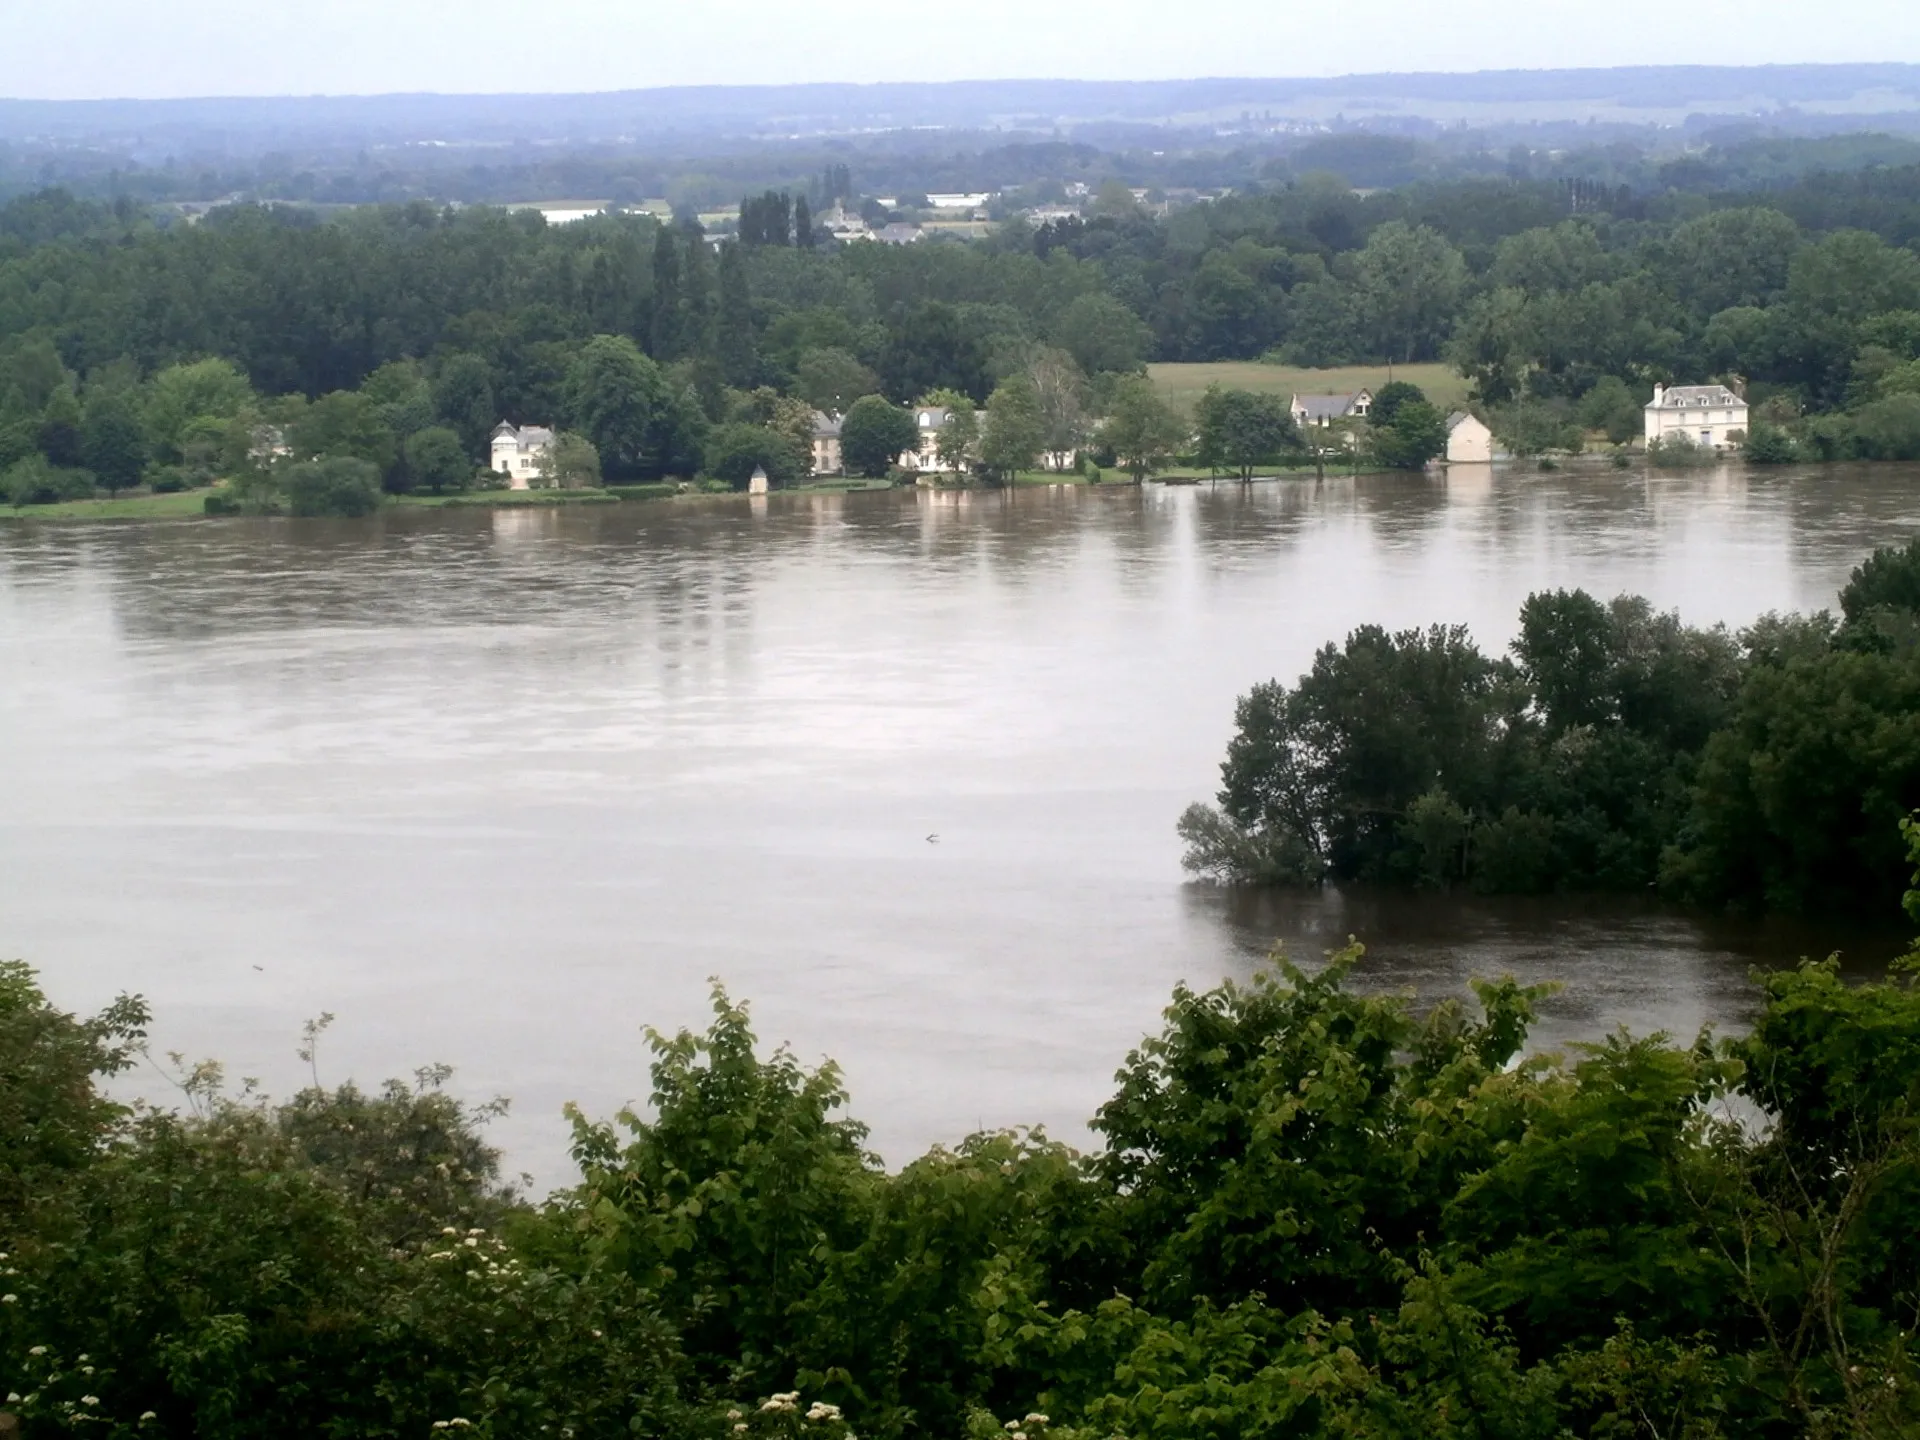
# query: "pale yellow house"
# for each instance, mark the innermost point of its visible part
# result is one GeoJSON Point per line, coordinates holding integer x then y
{"type": "Point", "coordinates": [827, 459]}
{"type": "Point", "coordinates": [1469, 441]}
{"type": "Point", "coordinates": [1710, 416]}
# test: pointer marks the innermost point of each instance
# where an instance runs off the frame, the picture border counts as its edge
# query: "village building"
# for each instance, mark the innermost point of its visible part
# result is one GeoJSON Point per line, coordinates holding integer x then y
{"type": "Point", "coordinates": [973, 201]}
{"type": "Point", "coordinates": [1469, 441]}
{"type": "Point", "coordinates": [841, 225]}
{"type": "Point", "coordinates": [899, 233]}
{"type": "Point", "coordinates": [1050, 214]}
{"type": "Point", "coordinates": [518, 451]}
{"type": "Point", "coordinates": [929, 421]}
{"type": "Point", "coordinates": [1320, 411]}
{"type": "Point", "coordinates": [1710, 416]}
{"type": "Point", "coordinates": [827, 459]}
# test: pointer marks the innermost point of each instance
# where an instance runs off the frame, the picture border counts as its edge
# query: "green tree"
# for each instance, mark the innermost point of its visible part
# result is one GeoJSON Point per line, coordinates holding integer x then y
{"type": "Point", "coordinates": [1240, 431]}
{"type": "Point", "coordinates": [113, 442]}
{"type": "Point", "coordinates": [1409, 281]}
{"type": "Point", "coordinates": [463, 399]}
{"type": "Point", "coordinates": [1014, 432]}
{"type": "Point", "coordinates": [436, 460]}
{"type": "Point", "coordinates": [1102, 334]}
{"type": "Point", "coordinates": [1614, 409]}
{"type": "Point", "coordinates": [181, 393]}
{"type": "Point", "coordinates": [570, 463]}
{"type": "Point", "coordinates": [336, 484]}
{"type": "Point", "coordinates": [345, 424]}
{"type": "Point", "coordinates": [958, 443]}
{"type": "Point", "coordinates": [831, 379]}
{"type": "Point", "coordinates": [1141, 429]}
{"type": "Point", "coordinates": [737, 449]}
{"type": "Point", "coordinates": [873, 435]}
{"type": "Point", "coordinates": [1416, 434]}
{"type": "Point", "coordinates": [617, 400]}
{"type": "Point", "coordinates": [738, 359]}
{"type": "Point", "coordinates": [1390, 397]}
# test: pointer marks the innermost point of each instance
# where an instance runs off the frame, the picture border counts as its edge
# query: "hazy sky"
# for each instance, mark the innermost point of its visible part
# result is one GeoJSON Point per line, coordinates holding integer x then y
{"type": "Point", "coordinates": [75, 49]}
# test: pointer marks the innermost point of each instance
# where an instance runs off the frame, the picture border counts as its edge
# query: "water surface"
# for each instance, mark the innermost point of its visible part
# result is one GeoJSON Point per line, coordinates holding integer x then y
{"type": "Point", "coordinates": [498, 788]}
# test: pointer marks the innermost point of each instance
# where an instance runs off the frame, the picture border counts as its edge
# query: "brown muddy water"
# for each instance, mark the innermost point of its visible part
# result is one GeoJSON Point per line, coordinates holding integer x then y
{"type": "Point", "coordinates": [498, 788]}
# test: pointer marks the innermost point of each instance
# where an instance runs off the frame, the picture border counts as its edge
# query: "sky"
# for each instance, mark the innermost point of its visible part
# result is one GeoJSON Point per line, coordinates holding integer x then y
{"type": "Point", "coordinates": [93, 49]}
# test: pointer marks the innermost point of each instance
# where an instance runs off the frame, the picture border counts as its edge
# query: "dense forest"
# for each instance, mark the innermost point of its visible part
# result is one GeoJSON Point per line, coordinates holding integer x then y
{"type": "Point", "coordinates": [1315, 1212]}
{"type": "Point", "coordinates": [1614, 749]}
{"type": "Point", "coordinates": [1563, 304]}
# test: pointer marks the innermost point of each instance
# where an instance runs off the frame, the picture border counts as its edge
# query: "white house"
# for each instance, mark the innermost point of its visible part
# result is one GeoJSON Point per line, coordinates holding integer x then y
{"type": "Point", "coordinates": [517, 452]}
{"type": "Point", "coordinates": [827, 459]}
{"type": "Point", "coordinates": [1469, 441]}
{"type": "Point", "coordinates": [929, 421]}
{"type": "Point", "coordinates": [1711, 416]}
{"type": "Point", "coordinates": [1321, 411]}
{"type": "Point", "coordinates": [899, 233]}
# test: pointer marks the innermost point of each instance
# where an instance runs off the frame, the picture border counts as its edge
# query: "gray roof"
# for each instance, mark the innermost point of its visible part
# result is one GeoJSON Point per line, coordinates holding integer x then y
{"type": "Point", "coordinates": [1459, 417]}
{"type": "Point", "coordinates": [527, 434]}
{"type": "Point", "coordinates": [936, 416]}
{"type": "Point", "coordinates": [1326, 407]}
{"type": "Point", "coordinates": [898, 234]}
{"type": "Point", "coordinates": [1694, 397]}
{"type": "Point", "coordinates": [825, 425]}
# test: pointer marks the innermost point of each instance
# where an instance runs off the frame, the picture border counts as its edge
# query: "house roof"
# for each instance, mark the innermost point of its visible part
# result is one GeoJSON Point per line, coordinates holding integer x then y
{"type": "Point", "coordinates": [931, 417]}
{"type": "Point", "coordinates": [899, 234]}
{"type": "Point", "coordinates": [525, 436]}
{"type": "Point", "coordinates": [1326, 407]}
{"type": "Point", "coordinates": [1460, 417]}
{"type": "Point", "coordinates": [825, 425]}
{"type": "Point", "coordinates": [1693, 397]}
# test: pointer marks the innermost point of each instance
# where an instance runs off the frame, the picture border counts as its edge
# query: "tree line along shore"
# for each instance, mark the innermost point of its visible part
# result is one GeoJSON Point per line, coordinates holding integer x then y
{"type": "Point", "coordinates": [152, 355]}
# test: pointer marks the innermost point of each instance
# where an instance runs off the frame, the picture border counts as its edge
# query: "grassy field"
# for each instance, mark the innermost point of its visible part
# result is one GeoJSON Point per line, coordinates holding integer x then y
{"type": "Point", "coordinates": [133, 507]}
{"type": "Point", "coordinates": [1184, 384]}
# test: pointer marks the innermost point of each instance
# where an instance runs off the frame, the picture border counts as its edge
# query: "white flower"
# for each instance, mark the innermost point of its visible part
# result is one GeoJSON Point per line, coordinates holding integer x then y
{"type": "Point", "coordinates": [83, 1358]}
{"type": "Point", "coordinates": [1034, 1417]}
{"type": "Point", "coordinates": [38, 1350]}
{"type": "Point", "coordinates": [448, 1230]}
{"type": "Point", "coordinates": [731, 1414]}
{"type": "Point", "coordinates": [740, 1426]}
{"type": "Point", "coordinates": [439, 1424]}
{"type": "Point", "coordinates": [146, 1415]}
{"type": "Point", "coordinates": [86, 1369]}
{"type": "Point", "coordinates": [459, 1422]}
{"type": "Point", "coordinates": [89, 1399]}
{"type": "Point", "coordinates": [472, 1243]}
{"type": "Point", "coordinates": [1011, 1426]}
{"type": "Point", "coordinates": [13, 1397]}
{"type": "Point", "coordinates": [8, 1299]}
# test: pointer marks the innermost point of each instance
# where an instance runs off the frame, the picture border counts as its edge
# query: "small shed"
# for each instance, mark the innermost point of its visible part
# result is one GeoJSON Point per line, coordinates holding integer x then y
{"type": "Point", "coordinates": [1469, 441]}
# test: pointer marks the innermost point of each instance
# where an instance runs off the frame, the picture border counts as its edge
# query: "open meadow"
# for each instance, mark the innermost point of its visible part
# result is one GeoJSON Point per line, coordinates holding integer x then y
{"type": "Point", "coordinates": [1185, 383]}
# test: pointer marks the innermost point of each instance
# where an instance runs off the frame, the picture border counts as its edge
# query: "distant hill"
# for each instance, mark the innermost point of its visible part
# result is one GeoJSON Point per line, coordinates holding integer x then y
{"type": "Point", "coordinates": [1793, 98]}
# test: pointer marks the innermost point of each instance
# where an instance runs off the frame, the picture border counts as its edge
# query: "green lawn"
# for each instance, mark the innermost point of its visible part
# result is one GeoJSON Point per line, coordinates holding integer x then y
{"type": "Point", "coordinates": [1184, 384]}
{"type": "Point", "coordinates": [133, 507]}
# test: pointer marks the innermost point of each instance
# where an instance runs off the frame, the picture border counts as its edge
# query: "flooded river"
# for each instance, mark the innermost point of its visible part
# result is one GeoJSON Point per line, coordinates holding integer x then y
{"type": "Point", "coordinates": [499, 788]}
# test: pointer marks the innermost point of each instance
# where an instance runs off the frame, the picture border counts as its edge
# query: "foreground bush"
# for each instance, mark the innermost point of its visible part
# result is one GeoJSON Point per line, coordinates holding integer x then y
{"type": "Point", "coordinates": [1315, 1212]}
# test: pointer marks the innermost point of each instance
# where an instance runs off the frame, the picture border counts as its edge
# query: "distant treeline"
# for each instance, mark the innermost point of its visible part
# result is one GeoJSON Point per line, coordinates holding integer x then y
{"type": "Point", "coordinates": [1615, 749]}
{"type": "Point", "coordinates": [1563, 311]}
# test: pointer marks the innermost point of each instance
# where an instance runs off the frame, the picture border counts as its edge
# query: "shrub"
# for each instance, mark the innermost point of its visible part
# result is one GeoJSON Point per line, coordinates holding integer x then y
{"type": "Point", "coordinates": [337, 485]}
{"type": "Point", "coordinates": [33, 481]}
{"type": "Point", "coordinates": [1770, 445]}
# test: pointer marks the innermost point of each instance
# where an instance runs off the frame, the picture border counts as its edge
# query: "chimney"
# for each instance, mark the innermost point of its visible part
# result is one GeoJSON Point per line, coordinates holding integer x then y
{"type": "Point", "coordinates": [1659, 393]}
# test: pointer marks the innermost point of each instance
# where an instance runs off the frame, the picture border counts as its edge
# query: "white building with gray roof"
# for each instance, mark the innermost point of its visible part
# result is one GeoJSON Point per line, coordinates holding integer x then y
{"type": "Point", "coordinates": [1711, 417]}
